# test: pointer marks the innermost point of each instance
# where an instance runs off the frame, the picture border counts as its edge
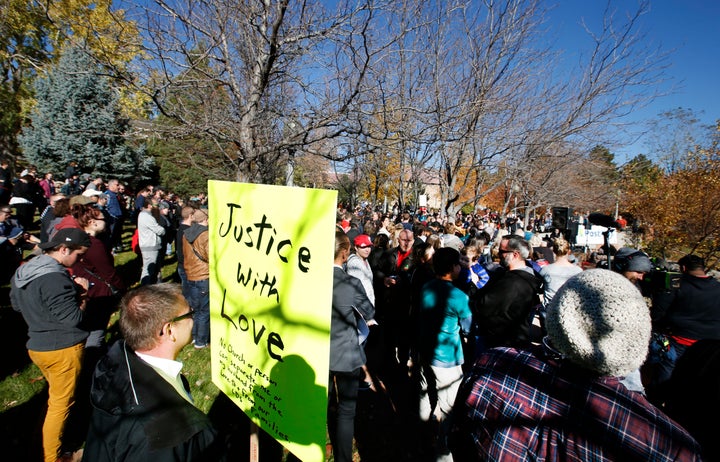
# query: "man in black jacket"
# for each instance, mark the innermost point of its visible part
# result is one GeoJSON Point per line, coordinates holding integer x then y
{"type": "Point", "coordinates": [142, 406]}
{"type": "Point", "coordinates": [686, 314]}
{"type": "Point", "coordinates": [392, 276]}
{"type": "Point", "coordinates": [505, 306]}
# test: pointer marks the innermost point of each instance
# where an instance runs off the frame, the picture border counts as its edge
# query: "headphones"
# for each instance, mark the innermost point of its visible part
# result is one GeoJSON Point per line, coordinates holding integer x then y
{"type": "Point", "coordinates": [638, 260]}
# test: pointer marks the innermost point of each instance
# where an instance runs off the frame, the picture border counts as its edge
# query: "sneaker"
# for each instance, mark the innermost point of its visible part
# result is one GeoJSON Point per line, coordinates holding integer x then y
{"type": "Point", "coordinates": [199, 346]}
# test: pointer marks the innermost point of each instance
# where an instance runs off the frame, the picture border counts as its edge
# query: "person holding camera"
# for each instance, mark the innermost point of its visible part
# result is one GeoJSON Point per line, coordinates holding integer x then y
{"type": "Point", "coordinates": [633, 265]}
{"type": "Point", "coordinates": [52, 304]}
{"type": "Point", "coordinates": [684, 315]}
{"type": "Point", "coordinates": [13, 240]}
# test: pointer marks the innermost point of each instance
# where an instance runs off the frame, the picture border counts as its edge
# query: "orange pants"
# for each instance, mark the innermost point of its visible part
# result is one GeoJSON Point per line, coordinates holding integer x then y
{"type": "Point", "coordinates": [61, 369]}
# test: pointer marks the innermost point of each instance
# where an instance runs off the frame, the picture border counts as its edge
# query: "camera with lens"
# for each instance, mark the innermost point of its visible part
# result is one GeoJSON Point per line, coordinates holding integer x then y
{"type": "Point", "coordinates": [660, 279]}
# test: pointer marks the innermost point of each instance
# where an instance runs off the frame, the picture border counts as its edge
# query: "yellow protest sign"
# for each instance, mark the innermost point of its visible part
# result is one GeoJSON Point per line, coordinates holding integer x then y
{"type": "Point", "coordinates": [271, 263]}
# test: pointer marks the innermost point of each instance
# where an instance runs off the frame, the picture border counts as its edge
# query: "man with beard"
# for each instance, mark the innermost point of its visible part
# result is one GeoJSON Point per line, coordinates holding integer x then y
{"type": "Point", "coordinates": [504, 308]}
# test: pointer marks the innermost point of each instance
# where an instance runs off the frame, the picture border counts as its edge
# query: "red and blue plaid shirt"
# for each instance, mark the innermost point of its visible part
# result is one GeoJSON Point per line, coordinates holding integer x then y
{"type": "Point", "coordinates": [517, 405]}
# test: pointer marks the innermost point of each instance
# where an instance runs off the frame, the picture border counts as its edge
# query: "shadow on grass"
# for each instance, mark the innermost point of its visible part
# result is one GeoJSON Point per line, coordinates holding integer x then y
{"type": "Point", "coordinates": [21, 429]}
{"type": "Point", "coordinates": [130, 270]}
{"type": "Point", "coordinates": [13, 336]}
{"type": "Point", "coordinates": [20, 426]}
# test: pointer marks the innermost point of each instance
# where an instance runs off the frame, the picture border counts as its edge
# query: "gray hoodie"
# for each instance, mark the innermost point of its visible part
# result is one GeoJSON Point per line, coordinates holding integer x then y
{"type": "Point", "coordinates": [195, 230]}
{"type": "Point", "coordinates": [44, 293]}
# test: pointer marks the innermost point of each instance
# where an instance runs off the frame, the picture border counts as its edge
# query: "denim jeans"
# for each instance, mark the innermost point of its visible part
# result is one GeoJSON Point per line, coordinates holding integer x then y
{"type": "Point", "coordinates": [199, 301]}
{"type": "Point", "coordinates": [183, 281]}
{"type": "Point", "coordinates": [667, 362]}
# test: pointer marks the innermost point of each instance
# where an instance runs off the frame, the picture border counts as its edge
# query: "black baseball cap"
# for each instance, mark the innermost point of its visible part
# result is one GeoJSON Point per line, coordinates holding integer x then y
{"type": "Point", "coordinates": [67, 236]}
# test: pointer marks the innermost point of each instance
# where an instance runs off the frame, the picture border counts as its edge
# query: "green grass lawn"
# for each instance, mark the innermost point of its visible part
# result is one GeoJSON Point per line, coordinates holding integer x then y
{"type": "Point", "coordinates": [23, 389]}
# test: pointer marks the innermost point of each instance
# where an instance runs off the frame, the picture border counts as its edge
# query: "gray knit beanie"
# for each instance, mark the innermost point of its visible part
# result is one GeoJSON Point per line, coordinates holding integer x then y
{"type": "Point", "coordinates": [600, 321]}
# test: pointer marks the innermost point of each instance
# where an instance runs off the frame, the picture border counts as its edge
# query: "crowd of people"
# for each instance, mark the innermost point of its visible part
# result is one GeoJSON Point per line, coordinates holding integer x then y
{"type": "Point", "coordinates": [57, 248]}
{"type": "Point", "coordinates": [497, 341]}
{"type": "Point", "coordinates": [492, 338]}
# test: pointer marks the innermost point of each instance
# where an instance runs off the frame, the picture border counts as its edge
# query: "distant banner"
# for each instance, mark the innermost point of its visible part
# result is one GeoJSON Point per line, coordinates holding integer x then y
{"type": "Point", "coordinates": [271, 272]}
{"type": "Point", "coordinates": [594, 236]}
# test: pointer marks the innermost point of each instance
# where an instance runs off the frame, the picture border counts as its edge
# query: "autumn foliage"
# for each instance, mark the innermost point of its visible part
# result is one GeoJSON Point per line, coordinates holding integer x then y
{"type": "Point", "coordinates": [680, 210]}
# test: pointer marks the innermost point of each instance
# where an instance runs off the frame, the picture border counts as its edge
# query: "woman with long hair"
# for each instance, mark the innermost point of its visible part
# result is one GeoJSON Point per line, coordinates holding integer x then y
{"type": "Point", "coordinates": [97, 265]}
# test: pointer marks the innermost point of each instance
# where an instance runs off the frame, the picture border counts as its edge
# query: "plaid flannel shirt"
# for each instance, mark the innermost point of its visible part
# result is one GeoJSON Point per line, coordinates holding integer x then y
{"type": "Point", "coordinates": [517, 405]}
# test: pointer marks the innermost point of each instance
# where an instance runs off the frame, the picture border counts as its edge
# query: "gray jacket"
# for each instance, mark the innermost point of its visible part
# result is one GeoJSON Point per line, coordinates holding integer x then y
{"type": "Point", "coordinates": [44, 293]}
{"type": "Point", "coordinates": [149, 232]}
{"type": "Point", "coordinates": [346, 353]}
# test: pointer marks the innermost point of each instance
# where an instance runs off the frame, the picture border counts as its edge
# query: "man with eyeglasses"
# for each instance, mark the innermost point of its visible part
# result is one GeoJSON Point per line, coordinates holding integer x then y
{"type": "Point", "coordinates": [505, 306]}
{"type": "Point", "coordinates": [142, 406]}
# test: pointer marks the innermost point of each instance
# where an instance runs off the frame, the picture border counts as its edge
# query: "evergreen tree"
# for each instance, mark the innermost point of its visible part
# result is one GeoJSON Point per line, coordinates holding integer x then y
{"type": "Point", "coordinates": [78, 118]}
{"type": "Point", "coordinates": [641, 171]}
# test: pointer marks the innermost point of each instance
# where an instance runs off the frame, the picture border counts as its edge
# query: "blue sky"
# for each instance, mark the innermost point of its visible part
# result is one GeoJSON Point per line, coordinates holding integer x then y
{"type": "Point", "coordinates": [690, 27]}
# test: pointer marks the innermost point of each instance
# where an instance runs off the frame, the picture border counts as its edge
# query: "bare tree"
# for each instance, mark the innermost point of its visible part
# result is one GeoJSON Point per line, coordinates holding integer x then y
{"type": "Point", "coordinates": [458, 87]}
{"type": "Point", "coordinates": [446, 94]}
{"type": "Point", "coordinates": [255, 67]}
{"type": "Point", "coordinates": [468, 86]}
{"type": "Point", "coordinates": [674, 134]}
{"type": "Point", "coordinates": [619, 74]}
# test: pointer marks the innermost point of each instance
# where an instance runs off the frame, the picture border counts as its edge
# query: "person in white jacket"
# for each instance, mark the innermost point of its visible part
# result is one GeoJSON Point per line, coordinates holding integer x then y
{"type": "Point", "coordinates": [150, 242]}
